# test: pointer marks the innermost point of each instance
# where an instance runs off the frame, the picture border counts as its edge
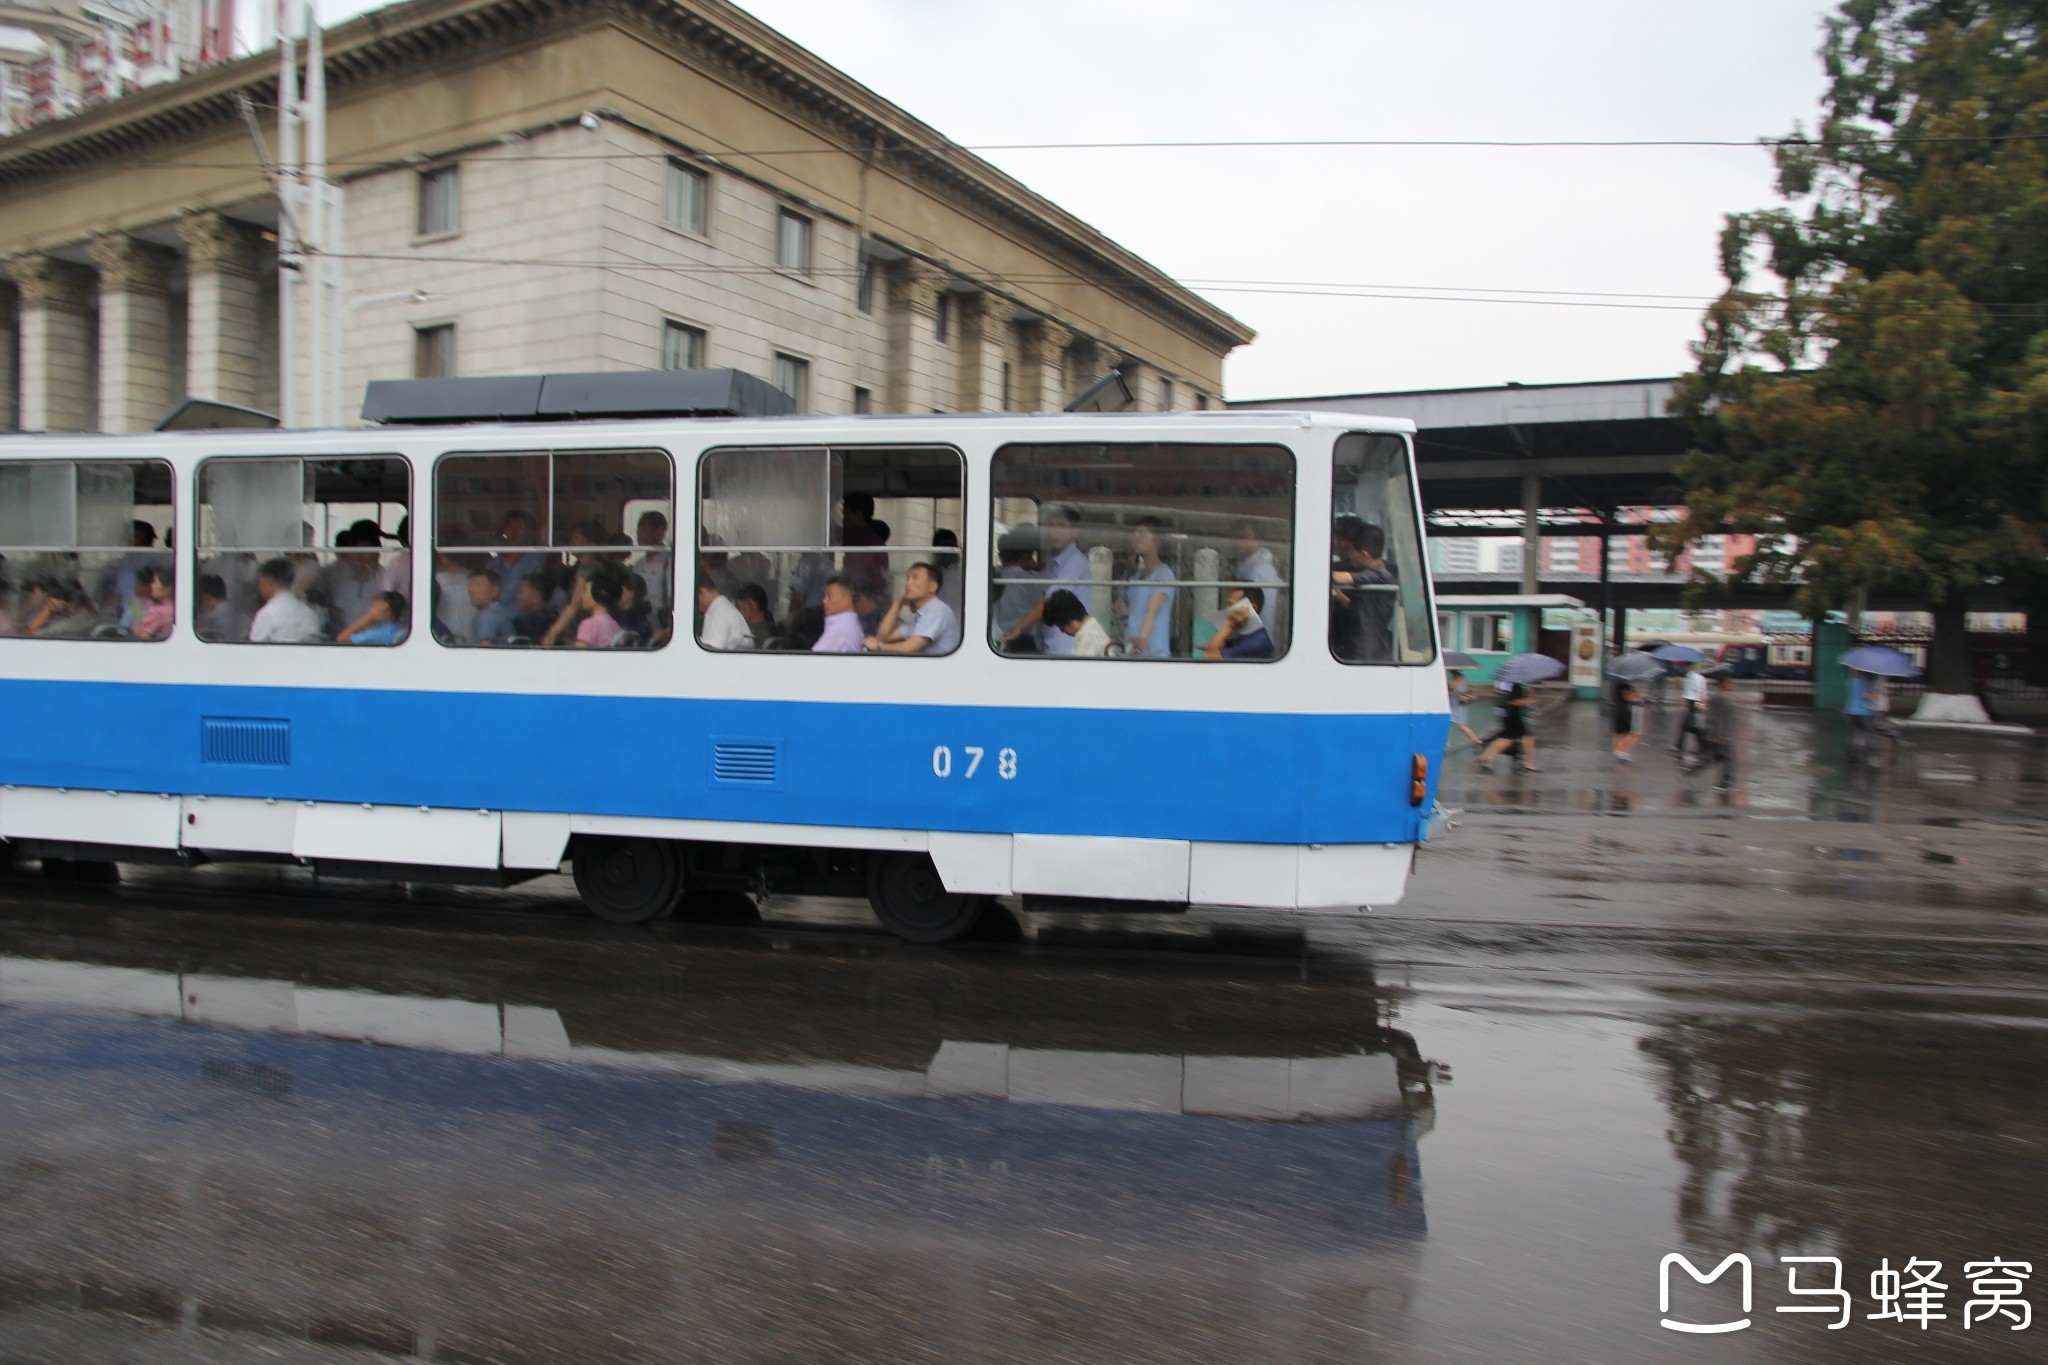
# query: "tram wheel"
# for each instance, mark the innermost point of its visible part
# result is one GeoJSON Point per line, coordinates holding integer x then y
{"type": "Point", "coordinates": [627, 881]}
{"type": "Point", "coordinates": [912, 902]}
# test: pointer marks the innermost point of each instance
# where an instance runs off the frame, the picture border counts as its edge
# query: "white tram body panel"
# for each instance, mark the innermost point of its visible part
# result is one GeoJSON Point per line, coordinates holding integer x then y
{"type": "Point", "coordinates": [1299, 782]}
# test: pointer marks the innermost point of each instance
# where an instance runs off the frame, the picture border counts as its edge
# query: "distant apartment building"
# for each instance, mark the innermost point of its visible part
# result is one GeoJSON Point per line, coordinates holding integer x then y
{"type": "Point", "coordinates": [582, 185]}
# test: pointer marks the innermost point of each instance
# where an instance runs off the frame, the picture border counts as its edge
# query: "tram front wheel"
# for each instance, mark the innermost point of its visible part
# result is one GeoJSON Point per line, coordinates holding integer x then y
{"type": "Point", "coordinates": [913, 903]}
{"type": "Point", "coordinates": [628, 881]}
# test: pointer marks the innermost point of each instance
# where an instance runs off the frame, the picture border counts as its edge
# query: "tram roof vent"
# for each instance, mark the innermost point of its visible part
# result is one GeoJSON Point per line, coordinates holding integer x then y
{"type": "Point", "coordinates": [573, 397]}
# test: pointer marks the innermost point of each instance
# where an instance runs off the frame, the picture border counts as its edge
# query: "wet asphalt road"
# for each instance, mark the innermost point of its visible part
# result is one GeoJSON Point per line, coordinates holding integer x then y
{"type": "Point", "coordinates": [244, 1116]}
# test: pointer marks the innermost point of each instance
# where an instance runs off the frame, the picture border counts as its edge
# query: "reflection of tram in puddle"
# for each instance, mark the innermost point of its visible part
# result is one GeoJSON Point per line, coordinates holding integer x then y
{"type": "Point", "coordinates": [1200, 1150]}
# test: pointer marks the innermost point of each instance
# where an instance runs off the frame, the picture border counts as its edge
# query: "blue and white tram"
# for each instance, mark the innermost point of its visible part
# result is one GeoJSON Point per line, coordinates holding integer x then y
{"type": "Point", "coordinates": [379, 651]}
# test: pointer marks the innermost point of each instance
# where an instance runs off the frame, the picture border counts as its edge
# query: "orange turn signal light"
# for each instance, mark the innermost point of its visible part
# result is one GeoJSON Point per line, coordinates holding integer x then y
{"type": "Point", "coordinates": [1418, 779]}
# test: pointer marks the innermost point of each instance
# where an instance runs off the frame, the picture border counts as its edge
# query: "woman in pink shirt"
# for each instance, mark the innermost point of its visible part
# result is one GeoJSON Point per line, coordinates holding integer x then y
{"type": "Point", "coordinates": [600, 593]}
{"type": "Point", "coordinates": [158, 617]}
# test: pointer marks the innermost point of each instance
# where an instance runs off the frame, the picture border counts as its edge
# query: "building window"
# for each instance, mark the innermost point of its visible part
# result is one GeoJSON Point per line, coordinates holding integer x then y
{"type": "Point", "coordinates": [1142, 551]}
{"type": "Point", "coordinates": [814, 549]}
{"type": "Point", "coordinates": [793, 242]}
{"type": "Point", "coordinates": [864, 286]}
{"type": "Point", "coordinates": [1006, 386]}
{"type": "Point", "coordinates": [1488, 632]}
{"type": "Point", "coordinates": [942, 316]}
{"type": "Point", "coordinates": [684, 197]}
{"type": "Point", "coordinates": [440, 208]}
{"type": "Point", "coordinates": [80, 541]}
{"type": "Point", "coordinates": [1379, 595]}
{"type": "Point", "coordinates": [863, 401]}
{"type": "Point", "coordinates": [1201, 402]}
{"type": "Point", "coordinates": [682, 346]}
{"type": "Point", "coordinates": [1166, 395]}
{"type": "Point", "coordinates": [433, 351]}
{"type": "Point", "coordinates": [304, 551]}
{"type": "Point", "coordinates": [555, 548]}
{"type": "Point", "coordinates": [793, 377]}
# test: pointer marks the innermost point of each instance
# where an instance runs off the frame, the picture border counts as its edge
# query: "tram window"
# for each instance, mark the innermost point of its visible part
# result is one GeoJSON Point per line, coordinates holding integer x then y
{"type": "Point", "coordinates": [818, 550]}
{"type": "Point", "coordinates": [1142, 551]}
{"type": "Point", "coordinates": [1379, 599]}
{"type": "Point", "coordinates": [554, 548]}
{"type": "Point", "coordinates": [85, 549]}
{"type": "Point", "coordinates": [304, 551]}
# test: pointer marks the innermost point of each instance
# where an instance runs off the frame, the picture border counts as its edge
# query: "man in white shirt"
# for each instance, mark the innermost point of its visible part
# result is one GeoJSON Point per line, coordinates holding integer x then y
{"type": "Point", "coordinates": [1255, 564]}
{"type": "Point", "coordinates": [656, 564]}
{"type": "Point", "coordinates": [724, 627]}
{"type": "Point", "coordinates": [1695, 693]}
{"type": "Point", "coordinates": [285, 618]}
{"type": "Point", "coordinates": [930, 627]}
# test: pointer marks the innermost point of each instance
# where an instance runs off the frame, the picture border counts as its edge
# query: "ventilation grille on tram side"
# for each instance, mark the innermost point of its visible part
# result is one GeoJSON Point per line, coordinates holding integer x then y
{"type": "Point", "coordinates": [748, 762]}
{"type": "Point", "coordinates": [242, 740]}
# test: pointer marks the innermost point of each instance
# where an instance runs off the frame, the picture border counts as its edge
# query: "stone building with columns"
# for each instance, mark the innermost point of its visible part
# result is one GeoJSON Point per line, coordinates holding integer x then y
{"type": "Point", "coordinates": [537, 186]}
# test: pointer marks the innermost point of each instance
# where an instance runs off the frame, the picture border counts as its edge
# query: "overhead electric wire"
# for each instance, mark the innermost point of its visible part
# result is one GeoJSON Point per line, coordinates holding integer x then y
{"type": "Point", "coordinates": [1271, 288]}
{"type": "Point", "coordinates": [1216, 144]}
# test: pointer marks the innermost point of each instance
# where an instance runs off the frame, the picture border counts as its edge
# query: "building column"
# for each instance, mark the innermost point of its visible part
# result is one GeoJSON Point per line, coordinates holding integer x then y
{"type": "Point", "coordinates": [10, 358]}
{"type": "Point", "coordinates": [137, 388]}
{"type": "Point", "coordinates": [984, 334]}
{"type": "Point", "coordinates": [1041, 383]}
{"type": "Point", "coordinates": [1087, 361]}
{"type": "Point", "coordinates": [225, 356]}
{"type": "Point", "coordinates": [59, 379]}
{"type": "Point", "coordinates": [1532, 530]}
{"type": "Point", "coordinates": [913, 343]}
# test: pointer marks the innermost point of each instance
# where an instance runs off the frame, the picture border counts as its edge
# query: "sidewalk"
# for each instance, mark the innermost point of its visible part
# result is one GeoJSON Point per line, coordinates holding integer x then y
{"type": "Point", "coordinates": [1949, 835]}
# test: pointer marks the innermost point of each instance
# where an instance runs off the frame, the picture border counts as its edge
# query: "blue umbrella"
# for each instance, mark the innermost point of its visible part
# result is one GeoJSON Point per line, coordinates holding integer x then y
{"type": "Point", "coordinates": [1882, 660]}
{"type": "Point", "coordinates": [1528, 668]}
{"type": "Point", "coordinates": [1678, 654]}
{"type": "Point", "coordinates": [1636, 667]}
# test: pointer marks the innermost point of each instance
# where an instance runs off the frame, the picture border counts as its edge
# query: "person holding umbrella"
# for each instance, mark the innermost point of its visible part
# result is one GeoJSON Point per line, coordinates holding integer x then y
{"type": "Point", "coordinates": [1512, 680]}
{"type": "Point", "coordinates": [1866, 702]}
{"type": "Point", "coordinates": [1629, 671]}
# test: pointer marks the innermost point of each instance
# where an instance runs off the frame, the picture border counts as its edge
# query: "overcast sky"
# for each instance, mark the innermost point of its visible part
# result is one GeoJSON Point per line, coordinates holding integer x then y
{"type": "Point", "coordinates": [1640, 221]}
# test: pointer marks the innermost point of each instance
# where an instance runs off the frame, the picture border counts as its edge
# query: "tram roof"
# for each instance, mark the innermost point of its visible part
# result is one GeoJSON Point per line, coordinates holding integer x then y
{"type": "Point", "coordinates": [1164, 425]}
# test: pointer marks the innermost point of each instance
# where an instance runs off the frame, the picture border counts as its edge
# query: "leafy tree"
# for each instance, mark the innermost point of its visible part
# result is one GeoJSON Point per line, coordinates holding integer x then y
{"type": "Point", "coordinates": [1879, 414]}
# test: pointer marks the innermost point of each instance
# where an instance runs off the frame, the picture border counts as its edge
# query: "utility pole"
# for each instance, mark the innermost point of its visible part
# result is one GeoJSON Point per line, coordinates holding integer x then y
{"type": "Point", "coordinates": [310, 312]}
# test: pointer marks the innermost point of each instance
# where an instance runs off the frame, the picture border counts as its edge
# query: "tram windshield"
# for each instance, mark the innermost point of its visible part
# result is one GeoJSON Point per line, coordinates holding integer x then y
{"type": "Point", "coordinates": [1379, 592]}
{"type": "Point", "coordinates": [1142, 550]}
{"type": "Point", "coordinates": [85, 550]}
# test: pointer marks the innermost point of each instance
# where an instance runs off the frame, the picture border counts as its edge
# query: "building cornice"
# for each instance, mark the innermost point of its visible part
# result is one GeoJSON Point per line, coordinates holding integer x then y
{"type": "Point", "coordinates": [387, 44]}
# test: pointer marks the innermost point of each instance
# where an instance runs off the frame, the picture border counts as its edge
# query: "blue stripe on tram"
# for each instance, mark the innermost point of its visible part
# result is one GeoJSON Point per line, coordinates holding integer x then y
{"type": "Point", "coordinates": [1227, 777]}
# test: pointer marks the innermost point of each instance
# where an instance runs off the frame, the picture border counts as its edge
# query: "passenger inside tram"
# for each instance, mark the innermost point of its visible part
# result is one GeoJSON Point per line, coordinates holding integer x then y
{"type": "Point", "coordinates": [917, 622]}
{"type": "Point", "coordinates": [1242, 634]}
{"type": "Point", "coordinates": [776, 524]}
{"type": "Point", "coordinates": [383, 623]}
{"type": "Point", "coordinates": [841, 633]}
{"type": "Point", "coordinates": [1064, 613]}
{"type": "Point", "coordinates": [1363, 593]}
{"type": "Point", "coordinates": [285, 618]}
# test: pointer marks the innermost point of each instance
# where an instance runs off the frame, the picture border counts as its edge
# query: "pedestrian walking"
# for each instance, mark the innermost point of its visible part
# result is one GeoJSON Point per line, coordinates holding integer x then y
{"type": "Point", "coordinates": [1719, 727]}
{"type": "Point", "coordinates": [1514, 730]}
{"type": "Point", "coordinates": [1628, 720]}
{"type": "Point", "coordinates": [1461, 705]}
{"type": "Point", "coordinates": [1695, 694]}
